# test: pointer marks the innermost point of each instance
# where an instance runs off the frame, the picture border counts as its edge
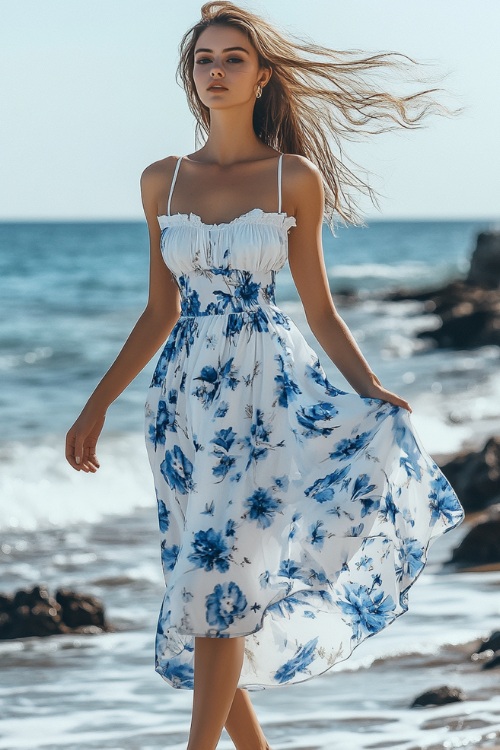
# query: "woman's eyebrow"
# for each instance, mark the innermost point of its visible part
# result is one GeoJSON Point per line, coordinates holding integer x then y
{"type": "Point", "coordinates": [228, 49]}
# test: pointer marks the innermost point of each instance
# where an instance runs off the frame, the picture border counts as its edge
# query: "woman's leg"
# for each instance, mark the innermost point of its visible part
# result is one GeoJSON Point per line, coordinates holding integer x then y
{"type": "Point", "coordinates": [243, 726]}
{"type": "Point", "coordinates": [217, 668]}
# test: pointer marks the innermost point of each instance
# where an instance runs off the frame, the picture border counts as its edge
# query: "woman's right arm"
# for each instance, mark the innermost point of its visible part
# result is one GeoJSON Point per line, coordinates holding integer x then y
{"type": "Point", "coordinates": [150, 331]}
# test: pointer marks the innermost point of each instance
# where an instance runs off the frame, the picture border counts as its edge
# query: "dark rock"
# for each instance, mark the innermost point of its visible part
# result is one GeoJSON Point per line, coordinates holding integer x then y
{"type": "Point", "coordinates": [439, 697]}
{"type": "Point", "coordinates": [485, 263]}
{"type": "Point", "coordinates": [475, 476]}
{"type": "Point", "coordinates": [80, 609]}
{"type": "Point", "coordinates": [467, 330]}
{"type": "Point", "coordinates": [481, 546]}
{"type": "Point", "coordinates": [493, 663]}
{"type": "Point", "coordinates": [469, 308]}
{"type": "Point", "coordinates": [492, 643]}
{"type": "Point", "coordinates": [34, 612]}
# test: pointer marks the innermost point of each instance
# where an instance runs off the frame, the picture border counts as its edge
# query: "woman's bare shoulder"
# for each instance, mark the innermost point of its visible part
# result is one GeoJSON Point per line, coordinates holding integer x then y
{"type": "Point", "coordinates": [155, 181]}
{"type": "Point", "coordinates": [303, 181]}
{"type": "Point", "coordinates": [300, 168]}
{"type": "Point", "coordinates": [159, 170]}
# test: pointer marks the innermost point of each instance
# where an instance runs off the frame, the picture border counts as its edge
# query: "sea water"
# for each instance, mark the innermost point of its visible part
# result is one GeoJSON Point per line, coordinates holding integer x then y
{"type": "Point", "coordinates": [69, 296]}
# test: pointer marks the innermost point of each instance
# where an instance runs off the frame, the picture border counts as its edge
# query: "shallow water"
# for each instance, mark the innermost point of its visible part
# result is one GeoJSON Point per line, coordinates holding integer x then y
{"type": "Point", "coordinates": [71, 293]}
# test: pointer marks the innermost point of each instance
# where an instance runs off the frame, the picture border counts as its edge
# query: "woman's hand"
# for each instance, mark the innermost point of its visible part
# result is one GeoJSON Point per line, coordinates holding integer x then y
{"type": "Point", "coordinates": [376, 390]}
{"type": "Point", "coordinates": [81, 441]}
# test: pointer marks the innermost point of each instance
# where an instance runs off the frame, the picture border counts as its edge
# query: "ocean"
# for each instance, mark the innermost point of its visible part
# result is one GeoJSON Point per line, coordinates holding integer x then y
{"type": "Point", "coordinates": [69, 295]}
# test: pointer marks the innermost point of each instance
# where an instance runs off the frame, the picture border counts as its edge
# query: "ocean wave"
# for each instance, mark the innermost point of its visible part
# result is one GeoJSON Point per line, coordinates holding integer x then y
{"type": "Point", "coordinates": [39, 489]}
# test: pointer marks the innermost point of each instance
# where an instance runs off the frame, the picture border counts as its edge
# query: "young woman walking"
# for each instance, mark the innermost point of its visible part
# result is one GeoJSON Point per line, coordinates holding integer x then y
{"type": "Point", "coordinates": [294, 516]}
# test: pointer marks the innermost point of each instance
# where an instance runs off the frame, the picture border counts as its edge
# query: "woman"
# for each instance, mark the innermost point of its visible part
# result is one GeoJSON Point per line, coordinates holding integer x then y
{"type": "Point", "coordinates": [294, 516]}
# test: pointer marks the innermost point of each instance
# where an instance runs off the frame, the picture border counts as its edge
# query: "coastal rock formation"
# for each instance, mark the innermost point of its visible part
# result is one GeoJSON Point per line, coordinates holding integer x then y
{"type": "Point", "coordinates": [481, 546]}
{"type": "Point", "coordinates": [492, 643]}
{"type": "Point", "coordinates": [489, 647]}
{"type": "Point", "coordinates": [475, 476]}
{"type": "Point", "coordinates": [493, 663]}
{"type": "Point", "coordinates": [469, 308]}
{"type": "Point", "coordinates": [439, 697]}
{"type": "Point", "coordinates": [485, 262]}
{"type": "Point", "coordinates": [34, 612]}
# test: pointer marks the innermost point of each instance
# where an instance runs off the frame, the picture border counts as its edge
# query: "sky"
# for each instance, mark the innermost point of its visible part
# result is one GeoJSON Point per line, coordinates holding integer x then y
{"type": "Point", "coordinates": [89, 99]}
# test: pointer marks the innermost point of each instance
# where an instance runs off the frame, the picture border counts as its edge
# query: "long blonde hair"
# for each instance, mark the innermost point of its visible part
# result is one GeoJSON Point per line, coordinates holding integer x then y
{"type": "Point", "coordinates": [315, 95]}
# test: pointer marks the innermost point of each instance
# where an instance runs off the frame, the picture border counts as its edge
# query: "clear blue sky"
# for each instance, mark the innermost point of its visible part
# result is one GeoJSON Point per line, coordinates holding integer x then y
{"type": "Point", "coordinates": [89, 99]}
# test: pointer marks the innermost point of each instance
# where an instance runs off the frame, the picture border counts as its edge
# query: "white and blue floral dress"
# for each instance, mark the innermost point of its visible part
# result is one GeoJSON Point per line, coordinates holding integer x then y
{"type": "Point", "coordinates": [290, 511]}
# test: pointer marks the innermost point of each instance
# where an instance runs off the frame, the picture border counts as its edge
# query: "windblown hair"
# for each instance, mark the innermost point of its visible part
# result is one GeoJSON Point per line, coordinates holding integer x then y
{"type": "Point", "coordinates": [315, 95]}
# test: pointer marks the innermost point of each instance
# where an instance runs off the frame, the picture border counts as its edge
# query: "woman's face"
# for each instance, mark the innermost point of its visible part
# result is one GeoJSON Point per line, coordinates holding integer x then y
{"type": "Point", "coordinates": [225, 58]}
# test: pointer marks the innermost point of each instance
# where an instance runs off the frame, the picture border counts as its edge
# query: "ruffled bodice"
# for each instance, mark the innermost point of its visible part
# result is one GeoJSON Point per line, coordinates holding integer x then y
{"type": "Point", "coordinates": [225, 268]}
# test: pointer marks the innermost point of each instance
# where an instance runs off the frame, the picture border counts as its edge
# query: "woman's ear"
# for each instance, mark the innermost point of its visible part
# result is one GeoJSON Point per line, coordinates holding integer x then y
{"type": "Point", "coordinates": [265, 76]}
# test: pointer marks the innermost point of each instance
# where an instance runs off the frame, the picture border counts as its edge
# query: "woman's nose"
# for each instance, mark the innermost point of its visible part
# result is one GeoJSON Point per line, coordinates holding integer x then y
{"type": "Point", "coordinates": [216, 72]}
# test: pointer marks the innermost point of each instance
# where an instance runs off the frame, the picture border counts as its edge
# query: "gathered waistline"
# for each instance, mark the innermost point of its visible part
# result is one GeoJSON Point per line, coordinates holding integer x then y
{"type": "Point", "coordinates": [256, 311]}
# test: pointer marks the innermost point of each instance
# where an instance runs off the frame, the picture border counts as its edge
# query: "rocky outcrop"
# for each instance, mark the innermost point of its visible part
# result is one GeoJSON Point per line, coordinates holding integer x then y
{"type": "Point", "coordinates": [34, 612]}
{"type": "Point", "coordinates": [475, 476]}
{"type": "Point", "coordinates": [485, 263]}
{"type": "Point", "coordinates": [439, 697]}
{"type": "Point", "coordinates": [481, 546]}
{"type": "Point", "coordinates": [491, 643]}
{"type": "Point", "coordinates": [489, 648]}
{"type": "Point", "coordinates": [469, 308]}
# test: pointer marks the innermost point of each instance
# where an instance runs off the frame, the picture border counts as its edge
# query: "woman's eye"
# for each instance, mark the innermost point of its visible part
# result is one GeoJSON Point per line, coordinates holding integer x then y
{"type": "Point", "coordinates": [203, 60]}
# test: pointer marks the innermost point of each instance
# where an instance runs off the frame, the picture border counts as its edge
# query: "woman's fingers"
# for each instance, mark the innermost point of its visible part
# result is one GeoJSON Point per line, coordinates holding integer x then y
{"type": "Point", "coordinates": [398, 401]}
{"type": "Point", "coordinates": [392, 398]}
{"type": "Point", "coordinates": [81, 442]}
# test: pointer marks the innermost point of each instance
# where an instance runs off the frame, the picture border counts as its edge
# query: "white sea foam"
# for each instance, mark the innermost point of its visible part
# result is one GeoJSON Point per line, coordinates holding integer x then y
{"type": "Point", "coordinates": [39, 489]}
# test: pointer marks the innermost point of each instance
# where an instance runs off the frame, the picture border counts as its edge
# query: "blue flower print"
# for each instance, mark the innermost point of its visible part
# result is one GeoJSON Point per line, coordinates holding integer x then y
{"type": "Point", "coordinates": [224, 438]}
{"type": "Point", "coordinates": [182, 337]}
{"type": "Point", "coordinates": [389, 509]}
{"type": "Point", "coordinates": [262, 507]}
{"type": "Point", "coordinates": [210, 550]}
{"type": "Point", "coordinates": [286, 389]}
{"type": "Point", "coordinates": [169, 555]}
{"type": "Point", "coordinates": [410, 458]}
{"type": "Point", "coordinates": [246, 293]}
{"type": "Point", "coordinates": [317, 374]}
{"type": "Point", "coordinates": [213, 380]}
{"type": "Point", "coordinates": [226, 602]}
{"type": "Point", "coordinates": [221, 410]}
{"type": "Point", "coordinates": [368, 612]}
{"type": "Point", "coordinates": [180, 675]}
{"type": "Point", "coordinates": [309, 416]}
{"type": "Point", "coordinates": [223, 441]}
{"type": "Point", "coordinates": [410, 558]}
{"type": "Point", "coordinates": [258, 321]}
{"type": "Point", "coordinates": [165, 419]}
{"type": "Point", "coordinates": [317, 534]}
{"type": "Point", "coordinates": [323, 490]}
{"type": "Point", "coordinates": [290, 569]}
{"type": "Point", "coordinates": [190, 300]}
{"type": "Point", "coordinates": [349, 447]}
{"type": "Point", "coordinates": [299, 663]}
{"type": "Point", "coordinates": [177, 470]}
{"type": "Point", "coordinates": [443, 500]}
{"type": "Point", "coordinates": [268, 290]}
{"type": "Point", "coordinates": [163, 516]}
{"type": "Point", "coordinates": [281, 319]}
{"type": "Point", "coordinates": [361, 494]}
{"type": "Point", "coordinates": [234, 326]}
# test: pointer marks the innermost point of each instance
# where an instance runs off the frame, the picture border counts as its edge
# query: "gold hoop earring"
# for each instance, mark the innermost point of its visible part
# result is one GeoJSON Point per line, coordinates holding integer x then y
{"type": "Point", "coordinates": [259, 91]}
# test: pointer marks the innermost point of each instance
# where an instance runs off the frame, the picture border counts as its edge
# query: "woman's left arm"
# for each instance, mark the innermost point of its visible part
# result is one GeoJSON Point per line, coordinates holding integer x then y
{"type": "Point", "coordinates": [307, 265]}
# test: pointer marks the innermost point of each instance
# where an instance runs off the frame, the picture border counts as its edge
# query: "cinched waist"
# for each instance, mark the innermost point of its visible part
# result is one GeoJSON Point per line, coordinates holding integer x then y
{"type": "Point", "coordinates": [214, 313]}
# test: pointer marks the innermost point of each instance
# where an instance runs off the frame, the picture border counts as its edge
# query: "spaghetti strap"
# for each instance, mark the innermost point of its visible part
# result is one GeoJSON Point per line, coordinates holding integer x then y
{"type": "Point", "coordinates": [279, 182]}
{"type": "Point", "coordinates": [173, 183]}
